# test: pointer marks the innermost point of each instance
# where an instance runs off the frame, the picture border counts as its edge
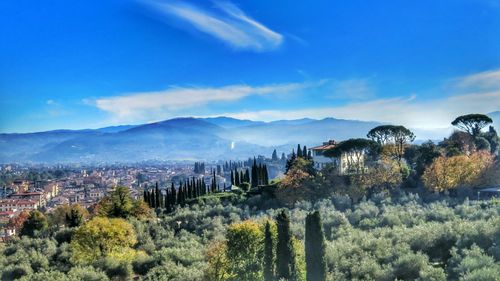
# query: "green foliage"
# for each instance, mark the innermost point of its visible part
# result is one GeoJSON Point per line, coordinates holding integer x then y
{"type": "Point", "coordinates": [35, 225]}
{"type": "Point", "coordinates": [285, 253]}
{"type": "Point", "coordinates": [269, 251]}
{"type": "Point", "coordinates": [472, 123]}
{"type": "Point", "coordinates": [315, 248]}
{"type": "Point", "coordinates": [101, 238]}
{"type": "Point", "coordinates": [244, 251]}
{"type": "Point", "coordinates": [379, 239]}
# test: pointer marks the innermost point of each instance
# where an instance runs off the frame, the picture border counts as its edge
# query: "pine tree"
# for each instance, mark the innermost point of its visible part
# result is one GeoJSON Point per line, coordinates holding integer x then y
{"type": "Point", "coordinates": [315, 248]}
{"type": "Point", "coordinates": [285, 254]}
{"type": "Point", "coordinates": [268, 254]}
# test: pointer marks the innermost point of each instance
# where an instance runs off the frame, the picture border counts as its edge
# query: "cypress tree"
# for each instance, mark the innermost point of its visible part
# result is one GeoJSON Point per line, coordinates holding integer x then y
{"type": "Point", "coordinates": [232, 177]}
{"type": "Point", "coordinates": [299, 151]}
{"type": "Point", "coordinates": [173, 194]}
{"type": "Point", "coordinates": [236, 177]}
{"type": "Point", "coordinates": [268, 254]}
{"type": "Point", "coordinates": [274, 157]}
{"type": "Point", "coordinates": [315, 248]}
{"type": "Point", "coordinates": [254, 173]}
{"type": "Point", "coordinates": [247, 176]}
{"type": "Point", "coordinates": [265, 175]}
{"type": "Point", "coordinates": [285, 254]}
{"type": "Point", "coordinates": [152, 199]}
{"type": "Point", "coordinates": [157, 196]}
{"type": "Point", "coordinates": [242, 177]}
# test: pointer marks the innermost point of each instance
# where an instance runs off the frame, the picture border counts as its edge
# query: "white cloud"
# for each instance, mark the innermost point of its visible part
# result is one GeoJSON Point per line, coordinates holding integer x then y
{"type": "Point", "coordinates": [229, 24]}
{"type": "Point", "coordinates": [352, 89]}
{"type": "Point", "coordinates": [480, 81]}
{"type": "Point", "coordinates": [162, 104]}
{"type": "Point", "coordinates": [410, 111]}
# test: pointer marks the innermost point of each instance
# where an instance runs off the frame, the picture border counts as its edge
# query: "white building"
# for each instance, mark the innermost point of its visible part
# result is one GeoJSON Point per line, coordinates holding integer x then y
{"type": "Point", "coordinates": [346, 163]}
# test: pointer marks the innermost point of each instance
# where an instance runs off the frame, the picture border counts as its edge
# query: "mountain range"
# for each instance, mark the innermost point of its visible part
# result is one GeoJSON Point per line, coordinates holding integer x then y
{"type": "Point", "coordinates": [187, 138]}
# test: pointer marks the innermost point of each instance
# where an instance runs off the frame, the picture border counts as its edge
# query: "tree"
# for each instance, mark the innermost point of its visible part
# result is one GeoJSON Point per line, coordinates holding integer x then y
{"type": "Point", "coordinates": [381, 134]}
{"type": "Point", "coordinates": [118, 204]}
{"type": "Point", "coordinates": [274, 157]}
{"type": "Point", "coordinates": [315, 248]}
{"type": "Point", "coordinates": [285, 253]}
{"type": "Point", "coordinates": [395, 139]}
{"type": "Point", "coordinates": [35, 224]}
{"type": "Point", "coordinates": [244, 248]}
{"type": "Point", "coordinates": [18, 221]}
{"type": "Point", "coordinates": [76, 216]}
{"type": "Point", "coordinates": [218, 263]}
{"type": "Point", "coordinates": [402, 137]}
{"type": "Point", "coordinates": [446, 173]}
{"type": "Point", "coordinates": [268, 253]}
{"type": "Point", "coordinates": [472, 123]}
{"type": "Point", "coordinates": [103, 237]}
{"type": "Point", "coordinates": [140, 210]}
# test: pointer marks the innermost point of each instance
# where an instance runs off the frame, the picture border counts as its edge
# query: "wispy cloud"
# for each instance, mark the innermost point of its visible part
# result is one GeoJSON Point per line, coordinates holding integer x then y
{"type": "Point", "coordinates": [162, 104]}
{"type": "Point", "coordinates": [227, 23]}
{"type": "Point", "coordinates": [355, 89]}
{"type": "Point", "coordinates": [480, 94]}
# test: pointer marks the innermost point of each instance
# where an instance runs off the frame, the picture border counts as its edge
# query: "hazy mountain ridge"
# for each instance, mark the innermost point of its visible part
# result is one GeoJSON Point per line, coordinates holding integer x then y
{"type": "Point", "coordinates": [182, 139]}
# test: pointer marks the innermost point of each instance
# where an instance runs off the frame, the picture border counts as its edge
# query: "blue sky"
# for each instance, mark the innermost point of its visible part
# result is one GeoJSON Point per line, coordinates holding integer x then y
{"type": "Point", "coordinates": [89, 64]}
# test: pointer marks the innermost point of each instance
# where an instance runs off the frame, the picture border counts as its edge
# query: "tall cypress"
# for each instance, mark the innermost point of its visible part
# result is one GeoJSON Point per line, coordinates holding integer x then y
{"type": "Point", "coordinates": [315, 248]}
{"type": "Point", "coordinates": [152, 199]}
{"type": "Point", "coordinates": [173, 194]}
{"type": "Point", "coordinates": [254, 173]}
{"type": "Point", "coordinates": [157, 196]}
{"type": "Point", "coordinates": [299, 151]}
{"type": "Point", "coordinates": [236, 177]}
{"type": "Point", "coordinates": [285, 254]}
{"type": "Point", "coordinates": [265, 175]}
{"type": "Point", "coordinates": [268, 254]}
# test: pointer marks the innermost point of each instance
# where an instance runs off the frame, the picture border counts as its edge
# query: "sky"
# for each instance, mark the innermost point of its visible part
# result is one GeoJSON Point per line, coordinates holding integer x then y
{"type": "Point", "coordinates": [89, 64]}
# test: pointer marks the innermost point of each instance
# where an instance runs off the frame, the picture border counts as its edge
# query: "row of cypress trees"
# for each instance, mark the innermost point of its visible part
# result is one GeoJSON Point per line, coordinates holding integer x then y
{"type": "Point", "coordinates": [283, 265]}
{"type": "Point", "coordinates": [259, 174]}
{"type": "Point", "coordinates": [186, 190]}
{"type": "Point", "coordinates": [239, 177]}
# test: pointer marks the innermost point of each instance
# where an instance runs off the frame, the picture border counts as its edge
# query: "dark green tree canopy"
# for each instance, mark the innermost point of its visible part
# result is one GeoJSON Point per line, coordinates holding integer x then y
{"type": "Point", "coordinates": [350, 145]}
{"type": "Point", "coordinates": [381, 134]}
{"type": "Point", "coordinates": [472, 123]}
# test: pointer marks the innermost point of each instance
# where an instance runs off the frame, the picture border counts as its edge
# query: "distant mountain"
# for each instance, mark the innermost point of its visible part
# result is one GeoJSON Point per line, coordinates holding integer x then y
{"type": "Point", "coordinates": [178, 139]}
{"type": "Point", "coordinates": [305, 131]}
{"type": "Point", "coordinates": [228, 122]}
{"type": "Point", "coordinates": [496, 119]}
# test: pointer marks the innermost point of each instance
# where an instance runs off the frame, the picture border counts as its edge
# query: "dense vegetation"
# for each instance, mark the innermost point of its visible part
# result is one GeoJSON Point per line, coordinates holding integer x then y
{"type": "Point", "coordinates": [378, 239]}
{"type": "Point", "coordinates": [398, 212]}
